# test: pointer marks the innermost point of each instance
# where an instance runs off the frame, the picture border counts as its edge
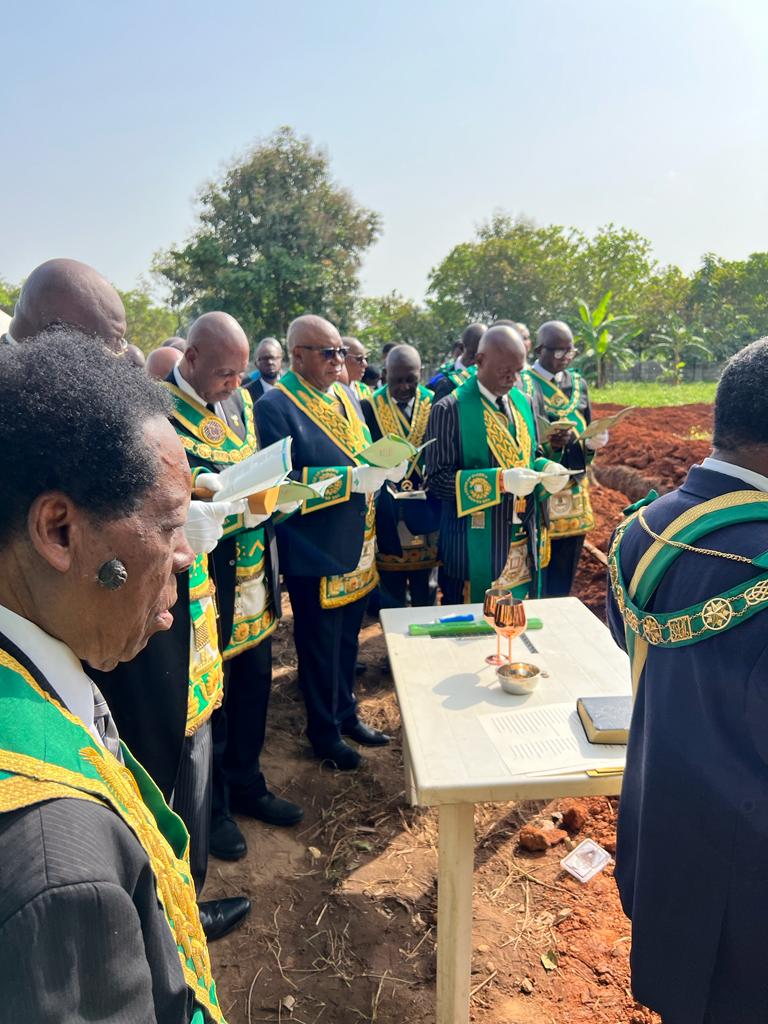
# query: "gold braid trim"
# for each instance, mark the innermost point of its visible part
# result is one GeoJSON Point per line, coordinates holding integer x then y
{"type": "Point", "coordinates": [508, 451]}
{"type": "Point", "coordinates": [713, 505]}
{"type": "Point", "coordinates": [117, 788]}
{"type": "Point", "coordinates": [347, 432]}
{"type": "Point", "coordinates": [392, 421]}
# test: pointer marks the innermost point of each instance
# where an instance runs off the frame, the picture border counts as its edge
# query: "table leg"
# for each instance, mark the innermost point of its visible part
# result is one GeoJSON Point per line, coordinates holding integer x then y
{"type": "Point", "coordinates": [455, 871]}
{"type": "Point", "coordinates": [410, 785]}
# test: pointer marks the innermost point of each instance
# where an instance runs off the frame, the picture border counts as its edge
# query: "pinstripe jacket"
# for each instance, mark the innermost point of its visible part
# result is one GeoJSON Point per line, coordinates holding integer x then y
{"type": "Point", "coordinates": [443, 460]}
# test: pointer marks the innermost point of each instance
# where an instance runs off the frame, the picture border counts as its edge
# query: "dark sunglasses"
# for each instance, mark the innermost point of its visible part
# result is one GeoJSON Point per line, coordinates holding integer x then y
{"type": "Point", "coordinates": [327, 353]}
{"type": "Point", "coordinates": [359, 359]}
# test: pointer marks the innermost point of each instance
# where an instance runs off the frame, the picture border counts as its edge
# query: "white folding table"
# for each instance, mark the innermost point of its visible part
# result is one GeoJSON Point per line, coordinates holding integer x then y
{"type": "Point", "coordinates": [445, 690]}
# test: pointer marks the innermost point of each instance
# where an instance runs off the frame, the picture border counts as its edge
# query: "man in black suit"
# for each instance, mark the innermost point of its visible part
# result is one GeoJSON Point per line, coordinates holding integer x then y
{"type": "Point", "coordinates": [326, 551]}
{"type": "Point", "coordinates": [479, 466]}
{"type": "Point", "coordinates": [214, 418]}
{"type": "Point", "coordinates": [269, 363]}
{"type": "Point", "coordinates": [98, 920]}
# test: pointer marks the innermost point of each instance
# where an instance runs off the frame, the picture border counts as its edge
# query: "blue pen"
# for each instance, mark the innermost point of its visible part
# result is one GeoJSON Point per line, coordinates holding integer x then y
{"type": "Point", "coordinates": [457, 618]}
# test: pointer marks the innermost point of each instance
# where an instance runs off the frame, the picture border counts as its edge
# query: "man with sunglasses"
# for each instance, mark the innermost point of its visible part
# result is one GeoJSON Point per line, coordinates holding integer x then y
{"type": "Point", "coordinates": [327, 551]}
{"type": "Point", "coordinates": [356, 361]}
{"type": "Point", "coordinates": [553, 384]}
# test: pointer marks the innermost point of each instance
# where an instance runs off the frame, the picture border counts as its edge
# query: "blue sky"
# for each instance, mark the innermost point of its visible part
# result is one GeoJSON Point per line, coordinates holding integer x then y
{"type": "Point", "coordinates": [649, 114]}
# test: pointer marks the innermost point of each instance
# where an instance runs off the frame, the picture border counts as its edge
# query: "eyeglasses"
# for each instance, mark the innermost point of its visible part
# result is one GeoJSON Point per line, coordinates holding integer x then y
{"type": "Point", "coordinates": [562, 353]}
{"type": "Point", "coordinates": [359, 359]}
{"type": "Point", "coordinates": [327, 353]}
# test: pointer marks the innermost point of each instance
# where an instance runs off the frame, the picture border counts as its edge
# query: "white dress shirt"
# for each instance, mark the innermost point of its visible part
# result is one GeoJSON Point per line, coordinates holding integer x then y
{"type": "Point", "coordinates": [187, 388]}
{"type": "Point", "coordinates": [493, 399]}
{"type": "Point", "coordinates": [747, 476]}
{"type": "Point", "coordinates": [538, 368]}
{"type": "Point", "coordinates": [56, 662]}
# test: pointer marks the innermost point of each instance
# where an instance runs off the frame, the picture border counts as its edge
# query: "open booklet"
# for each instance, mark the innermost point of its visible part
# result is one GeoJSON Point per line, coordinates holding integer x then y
{"type": "Point", "coordinates": [546, 429]}
{"type": "Point", "coordinates": [390, 450]}
{"type": "Point", "coordinates": [262, 478]}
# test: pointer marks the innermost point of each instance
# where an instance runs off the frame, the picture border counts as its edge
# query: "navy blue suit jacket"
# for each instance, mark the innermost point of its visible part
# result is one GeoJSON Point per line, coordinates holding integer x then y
{"type": "Point", "coordinates": [328, 541]}
{"type": "Point", "coordinates": [692, 855]}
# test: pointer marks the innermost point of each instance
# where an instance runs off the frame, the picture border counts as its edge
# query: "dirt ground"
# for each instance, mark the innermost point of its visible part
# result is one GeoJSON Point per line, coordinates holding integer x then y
{"type": "Point", "coordinates": [344, 906]}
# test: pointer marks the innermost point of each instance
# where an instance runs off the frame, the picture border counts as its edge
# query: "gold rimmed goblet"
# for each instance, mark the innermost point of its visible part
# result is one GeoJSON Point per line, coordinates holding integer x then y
{"type": "Point", "coordinates": [492, 596]}
{"type": "Point", "coordinates": [509, 619]}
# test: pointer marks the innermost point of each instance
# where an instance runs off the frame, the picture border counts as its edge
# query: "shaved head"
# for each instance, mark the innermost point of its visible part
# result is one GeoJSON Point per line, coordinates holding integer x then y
{"type": "Point", "coordinates": [135, 356]}
{"type": "Point", "coordinates": [162, 361]}
{"type": "Point", "coordinates": [554, 346]}
{"type": "Point", "coordinates": [309, 338]}
{"type": "Point", "coordinates": [470, 339]}
{"type": "Point", "coordinates": [554, 334]}
{"type": "Point", "coordinates": [216, 356]}
{"type": "Point", "coordinates": [70, 293]}
{"type": "Point", "coordinates": [177, 343]}
{"type": "Point", "coordinates": [500, 358]}
{"type": "Point", "coordinates": [403, 372]}
{"type": "Point", "coordinates": [357, 358]}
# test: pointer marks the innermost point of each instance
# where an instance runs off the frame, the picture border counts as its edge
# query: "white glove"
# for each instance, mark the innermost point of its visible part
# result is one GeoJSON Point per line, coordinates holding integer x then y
{"type": "Point", "coordinates": [519, 481]}
{"type": "Point", "coordinates": [554, 477]}
{"type": "Point", "coordinates": [252, 519]}
{"type": "Point", "coordinates": [368, 479]}
{"type": "Point", "coordinates": [397, 473]}
{"type": "Point", "coordinates": [597, 442]}
{"type": "Point", "coordinates": [203, 527]}
{"type": "Point", "coordinates": [209, 481]}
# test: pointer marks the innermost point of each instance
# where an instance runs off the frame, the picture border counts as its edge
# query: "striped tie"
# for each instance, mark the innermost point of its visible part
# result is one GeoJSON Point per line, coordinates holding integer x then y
{"type": "Point", "coordinates": [105, 724]}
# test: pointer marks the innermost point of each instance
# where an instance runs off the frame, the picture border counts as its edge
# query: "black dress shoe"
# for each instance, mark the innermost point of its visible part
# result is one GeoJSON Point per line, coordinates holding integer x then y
{"type": "Point", "coordinates": [227, 841]}
{"type": "Point", "coordinates": [360, 668]}
{"type": "Point", "coordinates": [268, 807]}
{"type": "Point", "coordinates": [218, 917]}
{"type": "Point", "coordinates": [340, 756]}
{"type": "Point", "coordinates": [364, 734]}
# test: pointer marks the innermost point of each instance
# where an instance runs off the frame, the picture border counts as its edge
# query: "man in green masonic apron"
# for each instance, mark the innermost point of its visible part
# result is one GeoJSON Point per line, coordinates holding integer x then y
{"type": "Point", "coordinates": [689, 603]}
{"type": "Point", "coordinates": [484, 447]}
{"type": "Point", "coordinates": [99, 915]}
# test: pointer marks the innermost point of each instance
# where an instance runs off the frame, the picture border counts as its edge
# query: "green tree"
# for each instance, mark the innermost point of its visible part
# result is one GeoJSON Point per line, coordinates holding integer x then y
{"type": "Point", "coordinates": [605, 340]}
{"type": "Point", "coordinates": [148, 323]}
{"type": "Point", "coordinates": [393, 318]}
{"type": "Point", "coordinates": [729, 301]}
{"type": "Point", "coordinates": [676, 348]}
{"type": "Point", "coordinates": [9, 293]}
{"type": "Point", "coordinates": [276, 237]}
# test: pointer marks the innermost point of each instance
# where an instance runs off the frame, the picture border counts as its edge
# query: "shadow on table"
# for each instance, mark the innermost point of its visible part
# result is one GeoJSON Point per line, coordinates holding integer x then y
{"type": "Point", "coordinates": [470, 689]}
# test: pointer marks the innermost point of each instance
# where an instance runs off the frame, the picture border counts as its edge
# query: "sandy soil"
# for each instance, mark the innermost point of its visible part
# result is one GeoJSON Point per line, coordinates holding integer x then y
{"type": "Point", "coordinates": [344, 906]}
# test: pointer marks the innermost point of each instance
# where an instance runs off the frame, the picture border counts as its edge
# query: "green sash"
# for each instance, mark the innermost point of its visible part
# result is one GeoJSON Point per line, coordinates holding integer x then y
{"type": "Point", "coordinates": [708, 618]}
{"type": "Point", "coordinates": [392, 421]}
{"type": "Point", "coordinates": [557, 405]}
{"type": "Point", "coordinates": [478, 488]}
{"type": "Point", "coordinates": [206, 675]}
{"type": "Point", "coordinates": [47, 753]}
{"type": "Point", "coordinates": [207, 436]}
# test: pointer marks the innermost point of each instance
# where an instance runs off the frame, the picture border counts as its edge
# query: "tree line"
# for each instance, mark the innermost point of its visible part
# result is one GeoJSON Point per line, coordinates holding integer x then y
{"type": "Point", "coordinates": [277, 236]}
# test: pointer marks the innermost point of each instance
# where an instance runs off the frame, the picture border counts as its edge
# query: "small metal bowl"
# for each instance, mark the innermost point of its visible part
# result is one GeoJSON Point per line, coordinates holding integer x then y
{"type": "Point", "coordinates": [519, 678]}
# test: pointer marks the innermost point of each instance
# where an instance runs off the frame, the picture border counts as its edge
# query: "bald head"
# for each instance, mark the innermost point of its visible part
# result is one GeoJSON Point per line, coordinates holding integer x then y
{"type": "Point", "coordinates": [470, 340]}
{"type": "Point", "coordinates": [310, 339]}
{"type": "Point", "coordinates": [175, 342]}
{"type": "Point", "coordinates": [135, 356]}
{"type": "Point", "coordinates": [554, 346]}
{"type": "Point", "coordinates": [162, 361]}
{"type": "Point", "coordinates": [403, 372]}
{"type": "Point", "coordinates": [357, 358]}
{"type": "Point", "coordinates": [215, 357]}
{"type": "Point", "coordinates": [500, 358]}
{"type": "Point", "coordinates": [68, 292]}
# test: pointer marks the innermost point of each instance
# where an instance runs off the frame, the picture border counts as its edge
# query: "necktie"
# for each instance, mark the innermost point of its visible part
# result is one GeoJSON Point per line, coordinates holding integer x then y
{"type": "Point", "coordinates": [502, 405]}
{"type": "Point", "coordinates": [105, 724]}
{"type": "Point", "coordinates": [209, 407]}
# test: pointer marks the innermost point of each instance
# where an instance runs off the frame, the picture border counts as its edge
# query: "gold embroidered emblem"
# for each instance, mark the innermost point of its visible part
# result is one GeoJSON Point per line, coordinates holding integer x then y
{"type": "Point", "coordinates": [717, 613]}
{"type": "Point", "coordinates": [201, 634]}
{"type": "Point", "coordinates": [652, 630]}
{"type": "Point", "coordinates": [213, 431]}
{"type": "Point", "coordinates": [333, 490]}
{"type": "Point", "coordinates": [757, 594]}
{"type": "Point", "coordinates": [477, 488]}
{"type": "Point", "coordinates": [631, 620]}
{"type": "Point", "coordinates": [680, 628]}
